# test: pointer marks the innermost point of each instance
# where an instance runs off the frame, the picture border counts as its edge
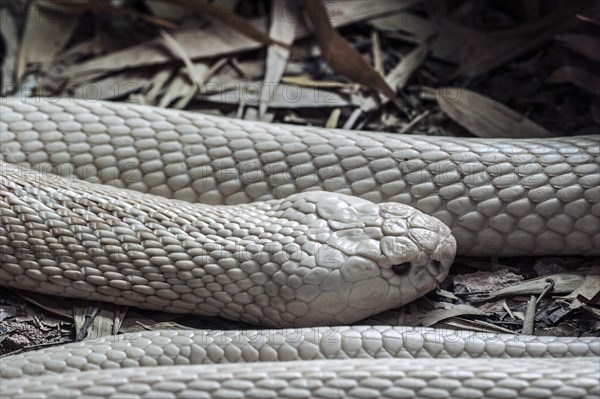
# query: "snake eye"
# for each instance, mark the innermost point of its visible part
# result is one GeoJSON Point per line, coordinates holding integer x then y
{"type": "Point", "coordinates": [401, 269]}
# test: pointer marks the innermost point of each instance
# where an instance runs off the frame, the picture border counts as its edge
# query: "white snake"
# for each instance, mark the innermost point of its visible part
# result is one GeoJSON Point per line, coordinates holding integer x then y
{"type": "Point", "coordinates": [282, 255]}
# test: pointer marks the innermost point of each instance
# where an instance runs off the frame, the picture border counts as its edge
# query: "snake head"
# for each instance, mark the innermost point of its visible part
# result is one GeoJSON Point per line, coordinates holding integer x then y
{"type": "Point", "coordinates": [369, 258]}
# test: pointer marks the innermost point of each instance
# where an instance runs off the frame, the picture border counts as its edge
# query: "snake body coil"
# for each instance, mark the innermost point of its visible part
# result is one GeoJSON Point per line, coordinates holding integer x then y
{"type": "Point", "coordinates": [277, 225]}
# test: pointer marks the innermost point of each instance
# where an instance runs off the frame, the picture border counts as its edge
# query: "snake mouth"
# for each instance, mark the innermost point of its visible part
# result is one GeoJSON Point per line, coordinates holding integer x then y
{"type": "Point", "coordinates": [435, 268]}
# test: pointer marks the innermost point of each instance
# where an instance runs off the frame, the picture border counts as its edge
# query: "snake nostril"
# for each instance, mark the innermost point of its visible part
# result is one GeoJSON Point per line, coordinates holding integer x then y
{"type": "Point", "coordinates": [436, 265]}
{"type": "Point", "coordinates": [401, 269]}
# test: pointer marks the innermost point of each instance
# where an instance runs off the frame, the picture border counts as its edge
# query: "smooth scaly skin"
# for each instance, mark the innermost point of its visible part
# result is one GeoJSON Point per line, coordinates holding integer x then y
{"type": "Point", "coordinates": [499, 197]}
{"type": "Point", "coordinates": [354, 378]}
{"type": "Point", "coordinates": [184, 347]}
{"type": "Point", "coordinates": [502, 197]}
{"type": "Point", "coordinates": [311, 259]}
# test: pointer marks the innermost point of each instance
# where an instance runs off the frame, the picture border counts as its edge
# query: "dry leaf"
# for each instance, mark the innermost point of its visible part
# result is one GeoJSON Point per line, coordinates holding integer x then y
{"type": "Point", "coordinates": [591, 16]}
{"type": "Point", "coordinates": [181, 89]}
{"type": "Point", "coordinates": [408, 127]}
{"type": "Point", "coordinates": [478, 52]}
{"type": "Point", "coordinates": [369, 104]}
{"type": "Point", "coordinates": [377, 53]}
{"type": "Point", "coordinates": [283, 27]}
{"type": "Point", "coordinates": [454, 43]}
{"type": "Point", "coordinates": [590, 287]}
{"type": "Point", "coordinates": [232, 20]}
{"type": "Point", "coordinates": [96, 320]}
{"type": "Point", "coordinates": [115, 86]}
{"type": "Point", "coordinates": [99, 44]}
{"type": "Point", "coordinates": [210, 43]}
{"type": "Point", "coordinates": [407, 26]}
{"type": "Point", "coordinates": [151, 325]}
{"type": "Point", "coordinates": [198, 43]}
{"type": "Point", "coordinates": [135, 321]}
{"type": "Point", "coordinates": [485, 265]}
{"type": "Point", "coordinates": [7, 311]}
{"type": "Point", "coordinates": [180, 52]}
{"type": "Point", "coordinates": [450, 310]}
{"type": "Point", "coordinates": [397, 78]}
{"type": "Point", "coordinates": [586, 45]}
{"type": "Point", "coordinates": [487, 281]}
{"type": "Point", "coordinates": [280, 96]}
{"type": "Point", "coordinates": [53, 304]}
{"type": "Point", "coordinates": [340, 55]}
{"type": "Point", "coordinates": [349, 12]}
{"type": "Point", "coordinates": [484, 117]}
{"type": "Point", "coordinates": [400, 74]}
{"type": "Point", "coordinates": [247, 113]}
{"type": "Point", "coordinates": [8, 30]}
{"type": "Point", "coordinates": [165, 10]}
{"type": "Point", "coordinates": [495, 49]}
{"type": "Point", "coordinates": [577, 76]}
{"type": "Point", "coordinates": [456, 323]}
{"type": "Point", "coordinates": [157, 85]}
{"type": "Point", "coordinates": [47, 30]}
{"type": "Point", "coordinates": [595, 312]}
{"type": "Point", "coordinates": [333, 119]}
{"type": "Point", "coordinates": [308, 81]}
{"type": "Point", "coordinates": [564, 283]}
{"type": "Point", "coordinates": [107, 7]}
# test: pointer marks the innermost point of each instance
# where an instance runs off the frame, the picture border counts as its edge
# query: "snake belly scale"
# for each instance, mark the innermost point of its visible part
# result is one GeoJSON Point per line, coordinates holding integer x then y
{"type": "Point", "coordinates": [280, 226]}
